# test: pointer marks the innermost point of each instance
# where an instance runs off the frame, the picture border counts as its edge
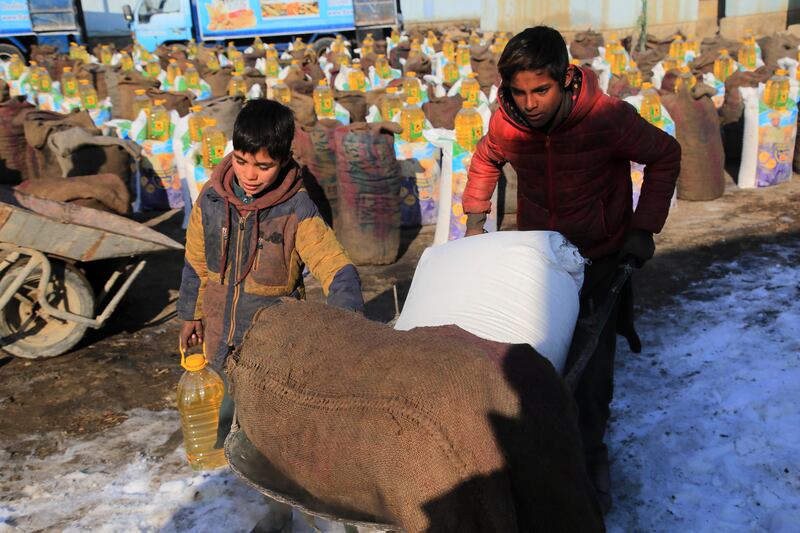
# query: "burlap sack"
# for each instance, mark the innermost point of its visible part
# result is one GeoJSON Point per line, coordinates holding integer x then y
{"type": "Point", "coordinates": [5, 94]}
{"type": "Point", "coordinates": [204, 54]}
{"type": "Point", "coordinates": [302, 105]}
{"type": "Point", "coordinates": [646, 61]}
{"type": "Point", "coordinates": [368, 178]}
{"type": "Point", "coordinates": [254, 77]}
{"type": "Point", "coordinates": [298, 82]}
{"type": "Point", "coordinates": [39, 125]}
{"type": "Point", "coordinates": [112, 81]}
{"type": "Point", "coordinates": [355, 102]}
{"type": "Point", "coordinates": [585, 44]}
{"type": "Point", "coordinates": [710, 48]}
{"type": "Point", "coordinates": [250, 58]}
{"type": "Point", "coordinates": [105, 192]}
{"type": "Point", "coordinates": [315, 151]}
{"type": "Point", "coordinates": [13, 165]}
{"type": "Point", "coordinates": [455, 34]}
{"type": "Point", "coordinates": [127, 84]}
{"type": "Point", "coordinates": [96, 74]}
{"type": "Point", "coordinates": [432, 430]}
{"type": "Point", "coordinates": [421, 65]}
{"type": "Point", "coordinates": [180, 101]}
{"type": "Point", "coordinates": [441, 112]}
{"type": "Point", "coordinates": [484, 66]}
{"type": "Point", "coordinates": [777, 46]}
{"type": "Point", "coordinates": [399, 52]}
{"type": "Point", "coordinates": [733, 107]}
{"type": "Point", "coordinates": [224, 110]}
{"type": "Point", "coordinates": [217, 79]}
{"type": "Point", "coordinates": [42, 52]}
{"type": "Point", "coordinates": [702, 174]}
{"type": "Point", "coordinates": [619, 87]}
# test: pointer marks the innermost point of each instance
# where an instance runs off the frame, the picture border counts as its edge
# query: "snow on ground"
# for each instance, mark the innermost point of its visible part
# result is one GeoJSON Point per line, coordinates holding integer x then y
{"type": "Point", "coordinates": [705, 435]}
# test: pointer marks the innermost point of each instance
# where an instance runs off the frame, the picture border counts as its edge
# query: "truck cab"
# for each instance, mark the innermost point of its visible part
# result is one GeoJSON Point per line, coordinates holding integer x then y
{"type": "Point", "coordinates": [157, 22]}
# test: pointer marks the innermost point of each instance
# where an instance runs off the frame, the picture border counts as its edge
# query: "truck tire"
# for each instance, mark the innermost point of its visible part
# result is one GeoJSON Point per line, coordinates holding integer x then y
{"type": "Point", "coordinates": [24, 332]}
{"type": "Point", "coordinates": [322, 43]}
{"type": "Point", "coordinates": [8, 50]}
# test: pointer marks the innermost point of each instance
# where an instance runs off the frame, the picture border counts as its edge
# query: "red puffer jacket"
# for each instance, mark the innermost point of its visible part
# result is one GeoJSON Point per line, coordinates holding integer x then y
{"type": "Point", "coordinates": [577, 179]}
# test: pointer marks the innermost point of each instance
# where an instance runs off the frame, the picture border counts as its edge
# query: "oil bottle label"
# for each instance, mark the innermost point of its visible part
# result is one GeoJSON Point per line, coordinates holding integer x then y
{"type": "Point", "coordinates": [70, 87]}
{"type": "Point", "coordinates": [326, 105]}
{"type": "Point", "coordinates": [91, 101]}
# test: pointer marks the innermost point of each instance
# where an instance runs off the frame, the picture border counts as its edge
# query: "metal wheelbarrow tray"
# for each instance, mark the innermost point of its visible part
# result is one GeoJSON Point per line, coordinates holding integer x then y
{"type": "Point", "coordinates": [46, 301]}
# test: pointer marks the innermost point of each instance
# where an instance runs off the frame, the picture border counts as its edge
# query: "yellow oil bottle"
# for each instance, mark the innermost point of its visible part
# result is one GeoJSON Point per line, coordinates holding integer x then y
{"type": "Point", "coordinates": [677, 48]}
{"type": "Point", "coordinates": [88, 94]}
{"type": "Point", "coordinates": [474, 38]}
{"type": "Point", "coordinates": [191, 48]}
{"type": "Point", "coordinates": [69, 83]}
{"type": "Point", "coordinates": [412, 119]}
{"type": "Point", "coordinates": [298, 44]}
{"type": "Point", "coordinates": [191, 76]}
{"type": "Point", "coordinates": [45, 81]}
{"type": "Point", "coordinates": [282, 93]}
{"type": "Point", "coordinates": [619, 60]}
{"type": "Point", "coordinates": [747, 52]}
{"type": "Point", "coordinates": [634, 75]}
{"type": "Point", "coordinates": [173, 71]}
{"type": "Point", "coordinates": [237, 86]}
{"type": "Point", "coordinates": [271, 67]}
{"type": "Point", "coordinates": [776, 92]}
{"type": "Point", "coordinates": [415, 52]}
{"type": "Point", "coordinates": [35, 73]}
{"type": "Point", "coordinates": [342, 59]}
{"type": "Point", "coordinates": [394, 36]}
{"type": "Point", "coordinates": [692, 44]}
{"type": "Point", "coordinates": [672, 63]}
{"type": "Point", "coordinates": [141, 102]}
{"type": "Point", "coordinates": [470, 89]}
{"type": "Point", "coordinates": [469, 126]}
{"type": "Point", "coordinates": [382, 67]}
{"type": "Point", "coordinates": [213, 62]}
{"type": "Point", "coordinates": [271, 52]}
{"type": "Point", "coordinates": [337, 46]}
{"type": "Point", "coordinates": [411, 86]}
{"type": "Point", "coordinates": [237, 61]}
{"type": "Point", "coordinates": [462, 54]}
{"type": "Point", "coordinates": [368, 45]}
{"type": "Point", "coordinates": [230, 50]}
{"type": "Point", "coordinates": [213, 147]}
{"type": "Point", "coordinates": [449, 49]}
{"type": "Point", "coordinates": [153, 68]}
{"type": "Point", "coordinates": [611, 45]}
{"type": "Point", "coordinates": [685, 80]}
{"type": "Point", "coordinates": [324, 105]}
{"type": "Point", "coordinates": [258, 44]}
{"type": "Point", "coordinates": [391, 104]}
{"type": "Point", "coordinates": [651, 104]}
{"type": "Point", "coordinates": [106, 54]}
{"type": "Point", "coordinates": [158, 122]}
{"type": "Point", "coordinates": [724, 66]}
{"type": "Point", "coordinates": [200, 393]}
{"type": "Point", "coordinates": [450, 73]}
{"type": "Point", "coordinates": [15, 67]}
{"type": "Point", "coordinates": [197, 123]}
{"type": "Point", "coordinates": [125, 61]}
{"type": "Point", "coordinates": [356, 78]}
{"type": "Point", "coordinates": [73, 50]}
{"type": "Point", "coordinates": [432, 39]}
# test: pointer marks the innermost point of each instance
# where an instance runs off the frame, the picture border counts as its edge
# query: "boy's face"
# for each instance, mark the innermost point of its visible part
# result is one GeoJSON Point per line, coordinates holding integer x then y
{"type": "Point", "coordinates": [538, 95]}
{"type": "Point", "coordinates": [255, 172]}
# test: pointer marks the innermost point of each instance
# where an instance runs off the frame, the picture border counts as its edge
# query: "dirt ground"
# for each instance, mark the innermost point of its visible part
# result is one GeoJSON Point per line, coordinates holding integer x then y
{"type": "Point", "coordinates": [133, 361]}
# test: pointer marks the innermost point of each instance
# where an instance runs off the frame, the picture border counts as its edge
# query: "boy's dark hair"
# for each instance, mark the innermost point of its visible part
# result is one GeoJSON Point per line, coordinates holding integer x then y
{"type": "Point", "coordinates": [533, 49]}
{"type": "Point", "coordinates": [263, 124]}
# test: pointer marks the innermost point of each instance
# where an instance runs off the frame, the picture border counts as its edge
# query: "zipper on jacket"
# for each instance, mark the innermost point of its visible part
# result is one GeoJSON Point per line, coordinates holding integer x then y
{"type": "Point", "coordinates": [234, 273]}
{"type": "Point", "coordinates": [551, 191]}
{"type": "Point", "coordinates": [224, 249]}
{"type": "Point", "coordinates": [259, 247]}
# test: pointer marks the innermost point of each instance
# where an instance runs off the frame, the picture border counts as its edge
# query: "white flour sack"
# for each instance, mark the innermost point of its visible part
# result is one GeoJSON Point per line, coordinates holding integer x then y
{"type": "Point", "coordinates": [517, 287]}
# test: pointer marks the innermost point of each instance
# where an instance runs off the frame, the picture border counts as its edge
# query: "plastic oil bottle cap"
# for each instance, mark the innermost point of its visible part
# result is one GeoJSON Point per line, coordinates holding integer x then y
{"type": "Point", "coordinates": [413, 100]}
{"type": "Point", "coordinates": [633, 64]}
{"type": "Point", "coordinates": [83, 82]}
{"type": "Point", "coordinates": [67, 69]}
{"type": "Point", "coordinates": [189, 65]}
{"type": "Point", "coordinates": [323, 82]}
{"type": "Point", "coordinates": [780, 72]}
{"type": "Point", "coordinates": [173, 60]}
{"type": "Point", "coordinates": [723, 52]}
{"type": "Point", "coordinates": [136, 91]}
{"type": "Point", "coordinates": [211, 122]}
{"type": "Point", "coordinates": [647, 85]}
{"type": "Point", "coordinates": [159, 101]}
{"type": "Point", "coordinates": [467, 104]}
{"type": "Point", "coordinates": [472, 75]}
{"type": "Point", "coordinates": [391, 90]}
{"type": "Point", "coordinates": [196, 108]}
{"type": "Point", "coordinates": [194, 362]}
{"type": "Point", "coordinates": [411, 74]}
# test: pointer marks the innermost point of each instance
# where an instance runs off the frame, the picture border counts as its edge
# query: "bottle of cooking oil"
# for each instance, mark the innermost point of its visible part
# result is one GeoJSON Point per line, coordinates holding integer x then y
{"type": "Point", "coordinates": [191, 76]}
{"type": "Point", "coordinates": [634, 75]}
{"type": "Point", "coordinates": [125, 61]}
{"type": "Point", "coordinates": [337, 46]}
{"type": "Point", "coordinates": [382, 67]}
{"type": "Point", "coordinates": [213, 144]}
{"type": "Point", "coordinates": [271, 52]}
{"type": "Point", "coordinates": [141, 102]}
{"type": "Point", "coordinates": [153, 68]}
{"type": "Point", "coordinates": [747, 52]}
{"type": "Point", "coordinates": [212, 62]}
{"type": "Point", "coordinates": [685, 80]}
{"type": "Point", "coordinates": [323, 101]}
{"type": "Point", "coordinates": [69, 83]}
{"type": "Point", "coordinates": [449, 50]}
{"type": "Point", "coordinates": [677, 48]}
{"type": "Point", "coordinates": [450, 73]}
{"type": "Point", "coordinates": [191, 48]}
{"type": "Point", "coordinates": [342, 59]}
{"type": "Point", "coordinates": [368, 45]}
{"type": "Point", "coordinates": [474, 38]}
{"type": "Point", "coordinates": [158, 122]}
{"type": "Point", "coordinates": [432, 39]}
{"type": "Point", "coordinates": [611, 45]}
{"type": "Point", "coordinates": [35, 73]}
{"type": "Point", "coordinates": [230, 50]}
{"type": "Point", "coordinates": [272, 68]}
{"type": "Point", "coordinates": [462, 54]}
{"type": "Point", "coordinates": [200, 392]}
{"type": "Point", "coordinates": [197, 122]}
{"type": "Point", "coordinates": [394, 36]}
{"type": "Point", "coordinates": [619, 61]}
{"type": "Point", "coordinates": [412, 119]}
{"type": "Point", "coordinates": [651, 104]}
{"type": "Point", "coordinates": [470, 89]}
{"type": "Point", "coordinates": [692, 45]}
{"type": "Point", "coordinates": [106, 54]}
{"type": "Point", "coordinates": [73, 50]}
{"type": "Point", "coordinates": [356, 78]}
{"type": "Point", "coordinates": [88, 94]}
{"type": "Point", "coordinates": [469, 126]}
{"type": "Point", "coordinates": [45, 81]}
{"type": "Point", "coordinates": [282, 93]}
{"type": "Point", "coordinates": [15, 67]}
{"type": "Point", "coordinates": [237, 86]}
{"type": "Point", "coordinates": [672, 63]}
{"type": "Point", "coordinates": [500, 42]}
{"type": "Point", "coordinates": [415, 52]}
{"type": "Point", "coordinates": [776, 92]}
{"type": "Point", "coordinates": [724, 66]}
{"type": "Point", "coordinates": [391, 104]}
{"type": "Point", "coordinates": [258, 44]}
{"type": "Point", "coordinates": [237, 61]}
{"type": "Point", "coordinates": [411, 86]}
{"type": "Point", "coordinates": [298, 44]}
{"type": "Point", "coordinates": [173, 71]}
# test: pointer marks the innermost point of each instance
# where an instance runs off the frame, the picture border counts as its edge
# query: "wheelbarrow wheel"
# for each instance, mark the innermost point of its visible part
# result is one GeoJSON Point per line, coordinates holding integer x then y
{"type": "Point", "coordinates": [26, 331]}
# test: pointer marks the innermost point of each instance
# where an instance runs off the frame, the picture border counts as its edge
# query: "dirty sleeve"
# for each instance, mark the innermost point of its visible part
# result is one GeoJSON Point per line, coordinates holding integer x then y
{"type": "Point", "coordinates": [484, 172]}
{"type": "Point", "coordinates": [195, 272]}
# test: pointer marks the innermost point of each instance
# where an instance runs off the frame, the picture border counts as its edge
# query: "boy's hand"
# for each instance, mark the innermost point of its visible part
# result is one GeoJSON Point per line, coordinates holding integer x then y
{"type": "Point", "coordinates": [191, 334]}
{"type": "Point", "coordinates": [638, 245]}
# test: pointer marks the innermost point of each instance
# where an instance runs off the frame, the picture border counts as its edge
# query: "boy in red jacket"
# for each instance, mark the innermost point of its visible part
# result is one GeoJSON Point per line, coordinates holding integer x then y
{"type": "Point", "coordinates": [571, 146]}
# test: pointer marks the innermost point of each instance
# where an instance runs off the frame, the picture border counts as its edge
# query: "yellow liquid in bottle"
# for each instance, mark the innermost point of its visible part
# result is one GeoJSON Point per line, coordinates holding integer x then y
{"type": "Point", "coordinates": [141, 102]}
{"type": "Point", "coordinates": [213, 145]}
{"type": "Point", "coordinates": [634, 75]}
{"type": "Point", "coordinates": [470, 89]}
{"type": "Point", "coordinates": [449, 50]}
{"type": "Point", "coordinates": [747, 55]}
{"type": "Point", "coordinates": [199, 399]}
{"type": "Point", "coordinates": [651, 104]}
{"type": "Point", "coordinates": [382, 67]}
{"type": "Point", "coordinates": [323, 101]}
{"type": "Point", "coordinates": [173, 71]}
{"type": "Point", "coordinates": [125, 61]}
{"type": "Point", "coordinates": [69, 83]}
{"type": "Point", "coordinates": [411, 86]}
{"type": "Point", "coordinates": [391, 104]}
{"type": "Point", "coordinates": [15, 67]}
{"type": "Point", "coordinates": [153, 68]}
{"type": "Point", "coordinates": [237, 86]}
{"type": "Point", "coordinates": [158, 123]}
{"type": "Point", "coordinates": [192, 77]}
{"type": "Point", "coordinates": [271, 52]}
{"type": "Point", "coordinates": [105, 55]}
{"type": "Point", "coordinates": [618, 62]}
{"type": "Point", "coordinates": [356, 79]}
{"type": "Point", "coordinates": [672, 63]}
{"type": "Point", "coordinates": [724, 66]}
{"type": "Point", "coordinates": [282, 93]}
{"type": "Point", "coordinates": [237, 60]}
{"type": "Point", "coordinates": [272, 68]}
{"type": "Point", "coordinates": [469, 127]}
{"type": "Point", "coordinates": [684, 80]}
{"type": "Point", "coordinates": [776, 92]}
{"type": "Point", "coordinates": [677, 48]}
{"type": "Point", "coordinates": [462, 54]}
{"type": "Point", "coordinates": [34, 74]}
{"type": "Point", "coordinates": [412, 119]}
{"type": "Point", "coordinates": [213, 62]}
{"type": "Point", "coordinates": [451, 73]}
{"type": "Point", "coordinates": [45, 81]}
{"type": "Point", "coordinates": [88, 95]}
{"type": "Point", "coordinates": [197, 122]}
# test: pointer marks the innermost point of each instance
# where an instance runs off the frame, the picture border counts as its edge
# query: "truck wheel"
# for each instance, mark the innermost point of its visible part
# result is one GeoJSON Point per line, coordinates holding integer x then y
{"type": "Point", "coordinates": [25, 331]}
{"type": "Point", "coordinates": [322, 43]}
{"type": "Point", "coordinates": [8, 50]}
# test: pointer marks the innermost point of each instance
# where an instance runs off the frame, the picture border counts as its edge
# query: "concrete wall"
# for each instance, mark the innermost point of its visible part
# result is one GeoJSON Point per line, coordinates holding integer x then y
{"type": "Point", "coordinates": [763, 17]}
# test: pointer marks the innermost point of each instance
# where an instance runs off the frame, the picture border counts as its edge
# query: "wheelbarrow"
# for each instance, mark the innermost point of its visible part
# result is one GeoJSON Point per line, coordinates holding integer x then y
{"type": "Point", "coordinates": [47, 303]}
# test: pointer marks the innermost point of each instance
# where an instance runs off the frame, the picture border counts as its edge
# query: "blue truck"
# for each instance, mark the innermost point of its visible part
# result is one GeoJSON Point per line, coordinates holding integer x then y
{"type": "Point", "coordinates": [155, 22]}
{"type": "Point", "coordinates": [27, 22]}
